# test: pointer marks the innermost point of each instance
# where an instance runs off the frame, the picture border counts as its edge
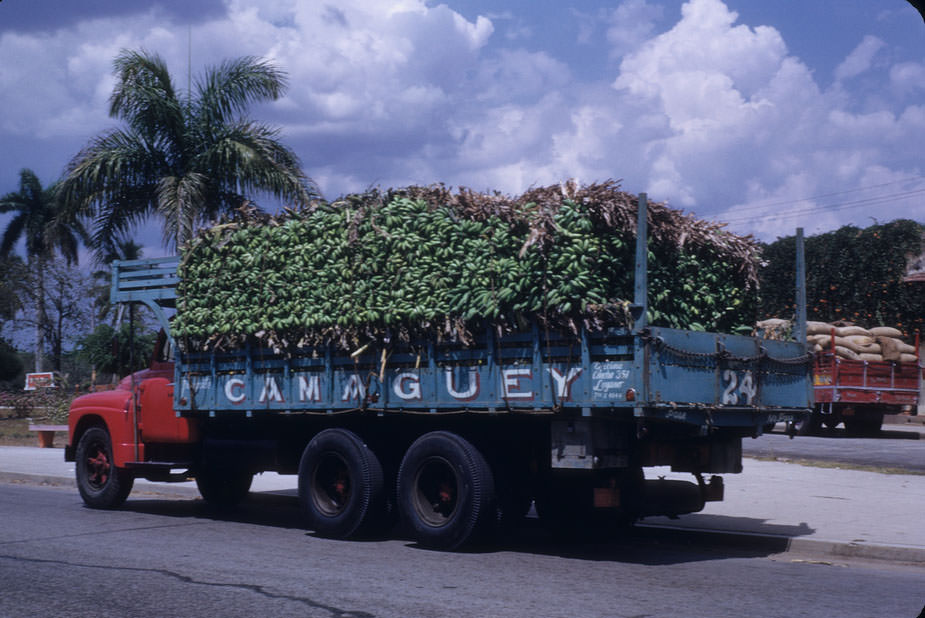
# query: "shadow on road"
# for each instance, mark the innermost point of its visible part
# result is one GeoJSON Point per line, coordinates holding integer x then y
{"type": "Point", "coordinates": [262, 509]}
{"type": "Point", "coordinates": [644, 544]}
{"type": "Point", "coordinates": [656, 544]}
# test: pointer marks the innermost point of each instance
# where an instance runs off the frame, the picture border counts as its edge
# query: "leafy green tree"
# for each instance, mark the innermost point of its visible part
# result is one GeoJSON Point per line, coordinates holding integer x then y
{"type": "Point", "coordinates": [852, 274]}
{"type": "Point", "coordinates": [108, 349]}
{"type": "Point", "coordinates": [68, 307]}
{"type": "Point", "coordinates": [185, 157]}
{"type": "Point", "coordinates": [10, 364]}
{"type": "Point", "coordinates": [40, 222]}
{"type": "Point", "coordinates": [13, 275]}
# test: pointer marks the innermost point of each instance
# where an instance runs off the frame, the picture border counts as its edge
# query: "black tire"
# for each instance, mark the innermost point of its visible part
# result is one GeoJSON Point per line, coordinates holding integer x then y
{"type": "Point", "coordinates": [341, 485]}
{"type": "Point", "coordinates": [864, 426]}
{"type": "Point", "coordinates": [101, 484]}
{"type": "Point", "coordinates": [223, 488]}
{"type": "Point", "coordinates": [445, 491]}
{"type": "Point", "coordinates": [808, 425]}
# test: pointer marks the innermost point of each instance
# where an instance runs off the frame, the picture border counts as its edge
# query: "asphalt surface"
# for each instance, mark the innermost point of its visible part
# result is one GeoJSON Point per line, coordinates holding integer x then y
{"type": "Point", "coordinates": [896, 448]}
{"type": "Point", "coordinates": [820, 511]}
{"type": "Point", "coordinates": [157, 557]}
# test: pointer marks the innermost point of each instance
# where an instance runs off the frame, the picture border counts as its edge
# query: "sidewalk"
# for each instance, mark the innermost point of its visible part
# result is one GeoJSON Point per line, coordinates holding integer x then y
{"type": "Point", "coordinates": [827, 512]}
{"type": "Point", "coordinates": [814, 510]}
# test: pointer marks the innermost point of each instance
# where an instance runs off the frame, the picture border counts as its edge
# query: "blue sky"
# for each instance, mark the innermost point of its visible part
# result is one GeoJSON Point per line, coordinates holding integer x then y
{"type": "Point", "coordinates": [765, 115]}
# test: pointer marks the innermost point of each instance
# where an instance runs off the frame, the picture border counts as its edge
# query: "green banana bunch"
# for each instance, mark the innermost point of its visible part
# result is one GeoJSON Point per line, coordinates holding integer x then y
{"type": "Point", "coordinates": [423, 262]}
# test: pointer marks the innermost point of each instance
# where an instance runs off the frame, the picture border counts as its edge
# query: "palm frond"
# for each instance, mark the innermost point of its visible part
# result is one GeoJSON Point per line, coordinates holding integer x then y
{"type": "Point", "coordinates": [11, 201]}
{"type": "Point", "coordinates": [12, 233]}
{"type": "Point", "coordinates": [233, 86]}
{"type": "Point", "coordinates": [250, 158]}
{"type": "Point", "coordinates": [101, 173]}
{"type": "Point", "coordinates": [40, 221]}
{"type": "Point", "coordinates": [178, 203]}
{"type": "Point", "coordinates": [29, 194]}
{"type": "Point", "coordinates": [144, 96]}
{"type": "Point", "coordinates": [118, 220]}
{"type": "Point", "coordinates": [67, 233]}
{"type": "Point", "coordinates": [188, 162]}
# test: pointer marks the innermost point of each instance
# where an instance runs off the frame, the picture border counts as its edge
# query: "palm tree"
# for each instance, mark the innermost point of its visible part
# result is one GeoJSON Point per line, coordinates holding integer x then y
{"type": "Point", "coordinates": [39, 221]}
{"type": "Point", "coordinates": [13, 275]}
{"type": "Point", "coordinates": [187, 157]}
{"type": "Point", "coordinates": [120, 249]}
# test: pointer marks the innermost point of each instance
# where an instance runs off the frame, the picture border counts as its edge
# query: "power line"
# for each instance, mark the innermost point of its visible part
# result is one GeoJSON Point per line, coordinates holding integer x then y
{"type": "Point", "coordinates": [833, 194]}
{"type": "Point", "coordinates": [788, 214]}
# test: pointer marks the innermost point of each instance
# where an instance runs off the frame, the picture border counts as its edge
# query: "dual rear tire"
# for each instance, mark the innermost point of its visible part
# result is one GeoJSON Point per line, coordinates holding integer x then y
{"type": "Point", "coordinates": [446, 491]}
{"type": "Point", "coordinates": [444, 488]}
{"type": "Point", "coordinates": [860, 421]}
{"type": "Point", "coordinates": [341, 484]}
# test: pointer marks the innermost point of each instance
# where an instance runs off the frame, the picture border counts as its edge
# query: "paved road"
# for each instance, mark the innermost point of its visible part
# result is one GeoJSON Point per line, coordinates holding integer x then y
{"type": "Point", "coordinates": [896, 447]}
{"type": "Point", "coordinates": [172, 557]}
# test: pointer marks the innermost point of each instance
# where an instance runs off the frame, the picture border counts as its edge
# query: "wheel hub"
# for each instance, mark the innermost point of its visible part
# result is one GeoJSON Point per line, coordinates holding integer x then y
{"type": "Point", "coordinates": [436, 492]}
{"type": "Point", "coordinates": [98, 467]}
{"type": "Point", "coordinates": [331, 487]}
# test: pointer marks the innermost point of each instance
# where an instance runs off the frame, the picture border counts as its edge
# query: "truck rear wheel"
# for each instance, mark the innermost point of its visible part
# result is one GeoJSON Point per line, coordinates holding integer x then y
{"type": "Point", "coordinates": [341, 484]}
{"type": "Point", "coordinates": [224, 487]}
{"type": "Point", "coordinates": [101, 484]}
{"type": "Point", "coordinates": [868, 425]}
{"type": "Point", "coordinates": [808, 425]}
{"type": "Point", "coordinates": [445, 491]}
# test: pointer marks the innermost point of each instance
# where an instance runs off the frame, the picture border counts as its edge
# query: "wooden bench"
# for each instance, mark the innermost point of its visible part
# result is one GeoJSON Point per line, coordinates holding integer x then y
{"type": "Point", "coordinates": [46, 434]}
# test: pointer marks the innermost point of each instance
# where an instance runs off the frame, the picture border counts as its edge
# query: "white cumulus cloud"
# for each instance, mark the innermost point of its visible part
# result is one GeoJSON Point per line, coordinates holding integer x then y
{"type": "Point", "coordinates": [702, 110]}
{"type": "Point", "coordinates": [860, 59]}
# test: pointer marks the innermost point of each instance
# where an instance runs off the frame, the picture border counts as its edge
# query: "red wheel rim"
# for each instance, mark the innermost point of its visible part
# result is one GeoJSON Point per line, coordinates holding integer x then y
{"type": "Point", "coordinates": [435, 496]}
{"type": "Point", "coordinates": [331, 485]}
{"type": "Point", "coordinates": [98, 466]}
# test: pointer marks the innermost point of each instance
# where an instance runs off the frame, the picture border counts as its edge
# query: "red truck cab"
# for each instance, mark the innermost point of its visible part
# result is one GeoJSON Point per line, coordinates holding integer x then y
{"type": "Point", "coordinates": [130, 426]}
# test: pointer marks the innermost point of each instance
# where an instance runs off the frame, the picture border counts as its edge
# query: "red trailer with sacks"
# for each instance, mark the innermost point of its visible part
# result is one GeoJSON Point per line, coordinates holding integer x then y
{"type": "Point", "coordinates": [861, 375]}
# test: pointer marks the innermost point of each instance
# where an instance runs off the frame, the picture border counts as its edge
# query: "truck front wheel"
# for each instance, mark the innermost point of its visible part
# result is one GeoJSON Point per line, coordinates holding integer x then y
{"type": "Point", "coordinates": [341, 484]}
{"type": "Point", "coordinates": [101, 484]}
{"type": "Point", "coordinates": [445, 490]}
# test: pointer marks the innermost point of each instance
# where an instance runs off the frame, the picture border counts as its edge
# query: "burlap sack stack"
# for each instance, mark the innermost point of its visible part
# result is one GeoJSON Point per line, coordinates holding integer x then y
{"type": "Point", "coordinates": [882, 343]}
{"type": "Point", "coordinates": [775, 329]}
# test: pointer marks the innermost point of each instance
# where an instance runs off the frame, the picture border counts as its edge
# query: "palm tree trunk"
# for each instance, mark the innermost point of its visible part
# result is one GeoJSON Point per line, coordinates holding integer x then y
{"type": "Point", "coordinates": [38, 347]}
{"type": "Point", "coordinates": [58, 342]}
{"type": "Point", "coordinates": [41, 318]}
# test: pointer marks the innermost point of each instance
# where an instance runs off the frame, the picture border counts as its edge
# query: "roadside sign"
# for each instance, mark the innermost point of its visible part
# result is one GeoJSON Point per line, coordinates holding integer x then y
{"type": "Point", "coordinates": [45, 379]}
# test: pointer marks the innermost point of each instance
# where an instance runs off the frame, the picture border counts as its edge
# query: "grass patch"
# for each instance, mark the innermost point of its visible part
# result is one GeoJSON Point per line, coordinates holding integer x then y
{"type": "Point", "coordinates": [837, 465]}
{"type": "Point", "coordinates": [15, 432]}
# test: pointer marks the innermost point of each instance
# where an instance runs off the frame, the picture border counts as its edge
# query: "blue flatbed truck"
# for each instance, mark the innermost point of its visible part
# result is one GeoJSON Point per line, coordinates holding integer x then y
{"type": "Point", "coordinates": [454, 440]}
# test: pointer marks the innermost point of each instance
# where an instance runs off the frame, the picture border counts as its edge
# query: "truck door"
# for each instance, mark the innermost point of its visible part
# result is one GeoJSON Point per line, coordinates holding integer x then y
{"type": "Point", "coordinates": [157, 420]}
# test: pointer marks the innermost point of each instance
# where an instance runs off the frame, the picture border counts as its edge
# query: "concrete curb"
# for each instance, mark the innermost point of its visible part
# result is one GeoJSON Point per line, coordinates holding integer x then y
{"type": "Point", "coordinates": [866, 551]}
{"type": "Point", "coordinates": [36, 479]}
{"type": "Point", "coordinates": [903, 419]}
{"type": "Point", "coordinates": [816, 548]}
{"type": "Point", "coordinates": [141, 486]}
